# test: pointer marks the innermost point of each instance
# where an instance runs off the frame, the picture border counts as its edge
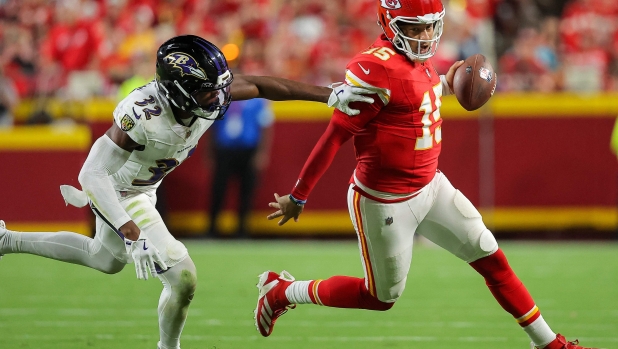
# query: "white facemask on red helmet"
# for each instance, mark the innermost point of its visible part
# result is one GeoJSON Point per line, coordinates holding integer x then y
{"type": "Point", "coordinates": [392, 12]}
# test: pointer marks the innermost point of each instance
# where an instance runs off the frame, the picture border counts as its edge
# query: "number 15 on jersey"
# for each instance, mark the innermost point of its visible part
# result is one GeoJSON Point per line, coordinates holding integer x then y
{"type": "Point", "coordinates": [429, 113]}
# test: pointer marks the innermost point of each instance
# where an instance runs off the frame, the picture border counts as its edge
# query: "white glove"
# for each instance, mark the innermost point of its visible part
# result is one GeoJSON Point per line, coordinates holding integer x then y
{"type": "Point", "coordinates": [344, 94]}
{"type": "Point", "coordinates": [145, 255]}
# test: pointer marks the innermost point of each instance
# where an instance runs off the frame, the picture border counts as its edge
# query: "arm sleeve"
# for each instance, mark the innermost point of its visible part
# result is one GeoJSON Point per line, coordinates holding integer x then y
{"type": "Point", "coordinates": [445, 89]}
{"type": "Point", "coordinates": [105, 158]}
{"type": "Point", "coordinates": [320, 158]}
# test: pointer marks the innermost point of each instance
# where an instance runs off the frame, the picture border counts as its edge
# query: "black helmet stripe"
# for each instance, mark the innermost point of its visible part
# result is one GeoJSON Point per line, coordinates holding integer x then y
{"type": "Point", "coordinates": [219, 62]}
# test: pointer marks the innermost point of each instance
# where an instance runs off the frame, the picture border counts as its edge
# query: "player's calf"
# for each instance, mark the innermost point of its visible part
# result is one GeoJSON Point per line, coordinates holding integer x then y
{"type": "Point", "coordinates": [279, 293]}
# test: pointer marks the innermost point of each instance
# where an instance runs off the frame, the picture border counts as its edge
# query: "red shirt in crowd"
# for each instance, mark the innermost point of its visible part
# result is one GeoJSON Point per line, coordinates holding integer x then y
{"type": "Point", "coordinates": [71, 45]}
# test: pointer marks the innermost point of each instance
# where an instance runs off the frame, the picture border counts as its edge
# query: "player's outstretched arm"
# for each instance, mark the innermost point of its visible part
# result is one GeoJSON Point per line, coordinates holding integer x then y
{"type": "Point", "coordinates": [279, 89]}
{"type": "Point", "coordinates": [322, 155]}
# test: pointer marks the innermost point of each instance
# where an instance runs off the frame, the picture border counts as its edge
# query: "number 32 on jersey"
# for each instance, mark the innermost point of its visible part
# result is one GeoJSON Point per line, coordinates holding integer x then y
{"type": "Point", "coordinates": [430, 116]}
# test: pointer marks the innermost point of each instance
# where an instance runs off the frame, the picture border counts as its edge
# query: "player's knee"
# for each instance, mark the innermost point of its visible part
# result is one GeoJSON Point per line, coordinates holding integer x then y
{"type": "Point", "coordinates": [187, 285]}
{"type": "Point", "coordinates": [384, 306]}
{"type": "Point", "coordinates": [379, 305]}
{"type": "Point", "coordinates": [112, 267]}
{"type": "Point", "coordinates": [481, 243]}
{"type": "Point", "coordinates": [373, 303]}
{"type": "Point", "coordinates": [485, 244]}
{"type": "Point", "coordinates": [383, 302]}
{"type": "Point", "coordinates": [391, 294]}
{"type": "Point", "coordinates": [106, 262]}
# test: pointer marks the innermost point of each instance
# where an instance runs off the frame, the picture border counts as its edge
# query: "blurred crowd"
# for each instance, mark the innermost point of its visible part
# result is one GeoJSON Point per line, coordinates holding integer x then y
{"type": "Point", "coordinates": [77, 49]}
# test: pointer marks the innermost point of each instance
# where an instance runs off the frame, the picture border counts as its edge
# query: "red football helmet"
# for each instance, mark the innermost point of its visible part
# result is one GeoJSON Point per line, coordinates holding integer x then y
{"type": "Point", "coordinates": [415, 12]}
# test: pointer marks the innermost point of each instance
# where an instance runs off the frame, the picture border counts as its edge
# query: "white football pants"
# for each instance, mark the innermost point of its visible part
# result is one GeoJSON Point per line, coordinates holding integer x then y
{"type": "Point", "coordinates": [386, 231]}
{"type": "Point", "coordinates": [106, 252]}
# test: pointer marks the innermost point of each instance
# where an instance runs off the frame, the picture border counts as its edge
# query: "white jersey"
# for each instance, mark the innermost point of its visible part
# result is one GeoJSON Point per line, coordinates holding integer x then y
{"type": "Point", "coordinates": [147, 117]}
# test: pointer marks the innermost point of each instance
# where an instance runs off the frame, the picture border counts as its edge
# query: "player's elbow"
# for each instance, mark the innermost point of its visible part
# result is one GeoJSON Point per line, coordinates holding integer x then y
{"type": "Point", "coordinates": [88, 175]}
{"type": "Point", "coordinates": [83, 178]}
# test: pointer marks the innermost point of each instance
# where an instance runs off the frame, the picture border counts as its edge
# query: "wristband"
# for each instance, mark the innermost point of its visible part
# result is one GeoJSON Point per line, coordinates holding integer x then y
{"type": "Point", "coordinates": [296, 201]}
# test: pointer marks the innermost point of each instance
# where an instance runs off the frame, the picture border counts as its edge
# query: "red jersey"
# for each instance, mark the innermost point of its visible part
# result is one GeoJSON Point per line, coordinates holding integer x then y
{"type": "Point", "coordinates": [397, 139]}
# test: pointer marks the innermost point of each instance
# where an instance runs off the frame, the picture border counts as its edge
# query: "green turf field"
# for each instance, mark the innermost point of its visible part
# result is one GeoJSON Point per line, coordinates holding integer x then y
{"type": "Point", "coordinates": [48, 304]}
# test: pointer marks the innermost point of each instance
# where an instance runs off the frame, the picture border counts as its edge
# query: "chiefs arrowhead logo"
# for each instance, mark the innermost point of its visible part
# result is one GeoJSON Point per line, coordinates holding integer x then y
{"type": "Point", "coordinates": [391, 4]}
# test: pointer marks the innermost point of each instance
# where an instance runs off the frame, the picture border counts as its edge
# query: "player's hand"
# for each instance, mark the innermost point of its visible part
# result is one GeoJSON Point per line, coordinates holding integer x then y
{"type": "Point", "coordinates": [450, 75]}
{"type": "Point", "coordinates": [286, 208]}
{"type": "Point", "coordinates": [344, 94]}
{"type": "Point", "coordinates": [145, 255]}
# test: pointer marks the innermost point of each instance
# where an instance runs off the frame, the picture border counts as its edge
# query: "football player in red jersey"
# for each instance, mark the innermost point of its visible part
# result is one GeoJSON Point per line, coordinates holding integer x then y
{"type": "Point", "coordinates": [396, 189]}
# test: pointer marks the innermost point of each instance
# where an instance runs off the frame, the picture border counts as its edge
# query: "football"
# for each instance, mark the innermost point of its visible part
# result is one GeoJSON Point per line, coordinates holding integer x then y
{"type": "Point", "coordinates": [474, 82]}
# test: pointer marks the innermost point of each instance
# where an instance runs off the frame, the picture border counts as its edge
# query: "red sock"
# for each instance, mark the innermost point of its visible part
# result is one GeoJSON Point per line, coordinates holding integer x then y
{"type": "Point", "coordinates": [345, 292]}
{"type": "Point", "coordinates": [506, 287]}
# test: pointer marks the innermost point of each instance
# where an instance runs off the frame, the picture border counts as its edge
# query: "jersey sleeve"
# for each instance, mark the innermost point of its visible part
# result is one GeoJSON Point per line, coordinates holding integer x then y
{"type": "Point", "coordinates": [320, 158]}
{"type": "Point", "coordinates": [371, 76]}
{"type": "Point", "coordinates": [129, 120]}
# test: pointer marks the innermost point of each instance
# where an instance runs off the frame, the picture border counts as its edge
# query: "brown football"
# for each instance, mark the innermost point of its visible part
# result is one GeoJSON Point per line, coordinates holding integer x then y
{"type": "Point", "coordinates": [474, 82]}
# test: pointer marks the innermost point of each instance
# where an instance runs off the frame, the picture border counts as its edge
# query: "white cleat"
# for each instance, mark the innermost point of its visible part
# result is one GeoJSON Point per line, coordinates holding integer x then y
{"type": "Point", "coordinates": [272, 302]}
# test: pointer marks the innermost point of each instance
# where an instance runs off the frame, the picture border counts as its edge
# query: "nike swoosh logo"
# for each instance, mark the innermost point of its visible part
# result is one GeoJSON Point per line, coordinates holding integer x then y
{"type": "Point", "coordinates": [366, 71]}
{"type": "Point", "coordinates": [145, 247]}
{"type": "Point", "coordinates": [135, 114]}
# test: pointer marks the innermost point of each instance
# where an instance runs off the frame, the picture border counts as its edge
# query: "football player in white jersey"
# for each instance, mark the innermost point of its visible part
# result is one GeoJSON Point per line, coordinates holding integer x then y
{"type": "Point", "coordinates": [157, 127]}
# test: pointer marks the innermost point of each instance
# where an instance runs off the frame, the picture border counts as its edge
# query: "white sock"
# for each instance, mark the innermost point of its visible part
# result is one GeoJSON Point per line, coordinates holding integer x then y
{"type": "Point", "coordinates": [540, 333]}
{"type": "Point", "coordinates": [298, 292]}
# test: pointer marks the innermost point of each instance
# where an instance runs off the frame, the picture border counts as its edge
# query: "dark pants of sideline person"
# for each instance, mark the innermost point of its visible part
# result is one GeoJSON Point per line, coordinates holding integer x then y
{"type": "Point", "coordinates": [233, 164]}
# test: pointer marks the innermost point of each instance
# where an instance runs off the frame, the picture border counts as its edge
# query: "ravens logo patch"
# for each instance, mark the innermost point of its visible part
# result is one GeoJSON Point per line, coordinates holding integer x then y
{"type": "Point", "coordinates": [126, 123]}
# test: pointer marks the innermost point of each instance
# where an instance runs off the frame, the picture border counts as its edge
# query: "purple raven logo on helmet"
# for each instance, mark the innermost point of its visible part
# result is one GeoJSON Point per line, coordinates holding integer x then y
{"type": "Point", "coordinates": [187, 64]}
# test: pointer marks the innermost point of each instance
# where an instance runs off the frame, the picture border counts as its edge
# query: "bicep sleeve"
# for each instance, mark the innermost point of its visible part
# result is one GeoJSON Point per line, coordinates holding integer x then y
{"type": "Point", "coordinates": [320, 158]}
{"type": "Point", "coordinates": [105, 158]}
